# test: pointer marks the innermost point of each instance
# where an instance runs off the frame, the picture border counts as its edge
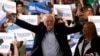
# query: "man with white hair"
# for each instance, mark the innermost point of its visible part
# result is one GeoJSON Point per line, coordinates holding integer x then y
{"type": "Point", "coordinates": [50, 39]}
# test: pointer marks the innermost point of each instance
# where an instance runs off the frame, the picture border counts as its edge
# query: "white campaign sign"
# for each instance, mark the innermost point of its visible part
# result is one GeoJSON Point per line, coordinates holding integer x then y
{"type": "Point", "coordinates": [7, 37]}
{"type": "Point", "coordinates": [22, 34]}
{"type": "Point", "coordinates": [32, 19]}
{"type": "Point", "coordinates": [5, 47]}
{"type": "Point", "coordinates": [96, 20]}
{"type": "Point", "coordinates": [2, 14]}
{"type": "Point", "coordinates": [73, 6]}
{"type": "Point", "coordinates": [1, 4]}
{"type": "Point", "coordinates": [63, 11]}
{"type": "Point", "coordinates": [10, 6]}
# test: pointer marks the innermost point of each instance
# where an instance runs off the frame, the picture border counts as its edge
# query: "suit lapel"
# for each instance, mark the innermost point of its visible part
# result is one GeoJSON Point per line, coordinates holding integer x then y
{"type": "Point", "coordinates": [86, 48]}
{"type": "Point", "coordinates": [80, 47]}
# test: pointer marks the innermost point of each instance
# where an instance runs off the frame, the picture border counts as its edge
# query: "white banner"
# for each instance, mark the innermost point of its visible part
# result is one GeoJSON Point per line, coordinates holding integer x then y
{"type": "Point", "coordinates": [2, 15]}
{"type": "Point", "coordinates": [63, 11]}
{"type": "Point", "coordinates": [22, 34]}
{"type": "Point", "coordinates": [96, 20]}
{"type": "Point", "coordinates": [5, 47]}
{"type": "Point", "coordinates": [32, 19]}
{"type": "Point", "coordinates": [1, 4]}
{"type": "Point", "coordinates": [7, 37]}
{"type": "Point", "coordinates": [10, 6]}
{"type": "Point", "coordinates": [73, 6]}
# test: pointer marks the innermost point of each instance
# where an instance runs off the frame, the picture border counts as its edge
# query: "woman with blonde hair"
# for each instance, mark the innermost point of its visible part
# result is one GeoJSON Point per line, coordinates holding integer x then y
{"type": "Point", "coordinates": [89, 43]}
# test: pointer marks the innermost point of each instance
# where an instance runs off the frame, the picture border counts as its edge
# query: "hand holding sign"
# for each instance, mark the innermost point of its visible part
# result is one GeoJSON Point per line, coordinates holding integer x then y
{"type": "Point", "coordinates": [10, 20]}
{"type": "Point", "coordinates": [7, 54]}
{"type": "Point", "coordinates": [9, 15]}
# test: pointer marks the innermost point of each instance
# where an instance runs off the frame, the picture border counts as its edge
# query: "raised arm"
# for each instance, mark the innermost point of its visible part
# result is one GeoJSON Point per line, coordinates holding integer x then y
{"type": "Point", "coordinates": [73, 29]}
{"type": "Point", "coordinates": [26, 25]}
{"type": "Point", "coordinates": [22, 23]}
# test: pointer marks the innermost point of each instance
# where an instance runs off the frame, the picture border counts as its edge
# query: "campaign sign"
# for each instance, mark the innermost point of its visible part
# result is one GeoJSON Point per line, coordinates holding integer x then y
{"type": "Point", "coordinates": [73, 49]}
{"type": "Point", "coordinates": [1, 4]}
{"type": "Point", "coordinates": [31, 7]}
{"type": "Point", "coordinates": [5, 48]}
{"type": "Point", "coordinates": [2, 17]}
{"type": "Point", "coordinates": [29, 47]}
{"type": "Point", "coordinates": [73, 6]}
{"type": "Point", "coordinates": [38, 7]}
{"type": "Point", "coordinates": [10, 6]}
{"type": "Point", "coordinates": [96, 20]}
{"type": "Point", "coordinates": [2, 14]}
{"type": "Point", "coordinates": [23, 34]}
{"type": "Point", "coordinates": [29, 44]}
{"type": "Point", "coordinates": [74, 40]}
{"type": "Point", "coordinates": [32, 19]}
{"type": "Point", "coordinates": [64, 11]}
{"type": "Point", "coordinates": [7, 37]}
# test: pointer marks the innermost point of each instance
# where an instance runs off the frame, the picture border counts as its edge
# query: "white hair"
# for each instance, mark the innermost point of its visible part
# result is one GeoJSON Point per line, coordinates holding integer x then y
{"type": "Point", "coordinates": [47, 15]}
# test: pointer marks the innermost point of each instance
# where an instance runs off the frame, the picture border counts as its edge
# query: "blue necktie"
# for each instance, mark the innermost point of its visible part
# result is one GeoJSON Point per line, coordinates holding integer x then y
{"type": "Point", "coordinates": [83, 47]}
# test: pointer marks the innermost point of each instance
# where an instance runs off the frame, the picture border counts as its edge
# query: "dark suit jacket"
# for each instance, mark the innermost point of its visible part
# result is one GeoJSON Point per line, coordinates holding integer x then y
{"type": "Point", "coordinates": [94, 47]}
{"type": "Point", "coordinates": [60, 30]}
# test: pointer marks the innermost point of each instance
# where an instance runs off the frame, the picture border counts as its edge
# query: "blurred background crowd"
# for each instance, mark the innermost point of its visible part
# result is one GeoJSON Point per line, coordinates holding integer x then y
{"type": "Point", "coordinates": [80, 10]}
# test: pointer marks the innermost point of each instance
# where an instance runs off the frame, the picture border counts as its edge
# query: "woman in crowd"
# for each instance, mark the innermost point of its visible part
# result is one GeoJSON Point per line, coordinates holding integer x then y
{"type": "Point", "coordinates": [20, 11]}
{"type": "Point", "coordinates": [20, 8]}
{"type": "Point", "coordinates": [89, 43]}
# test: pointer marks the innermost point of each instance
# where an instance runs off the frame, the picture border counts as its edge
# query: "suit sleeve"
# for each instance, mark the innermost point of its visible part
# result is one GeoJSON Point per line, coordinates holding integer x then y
{"type": "Point", "coordinates": [96, 45]}
{"type": "Point", "coordinates": [26, 25]}
{"type": "Point", "coordinates": [76, 28]}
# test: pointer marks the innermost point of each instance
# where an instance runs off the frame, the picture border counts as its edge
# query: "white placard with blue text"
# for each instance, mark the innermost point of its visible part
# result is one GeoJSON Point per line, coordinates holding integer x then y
{"type": "Point", "coordinates": [5, 47]}
{"type": "Point", "coordinates": [32, 19]}
{"type": "Point", "coordinates": [10, 6]}
{"type": "Point", "coordinates": [64, 11]}
{"type": "Point", "coordinates": [1, 4]}
{"type": "Point", "coordinates": [2, 16]}
{"type": "Point", "coordinates": [7, 37]}
{"type": "Point", "coordinates": [96, 20]}
{"type": "Point", "coordinates": [23, 34]}
{"type": "Point", "coordinates": [39, 7]}
{"type": "Point", "coordinates": [29, 44]}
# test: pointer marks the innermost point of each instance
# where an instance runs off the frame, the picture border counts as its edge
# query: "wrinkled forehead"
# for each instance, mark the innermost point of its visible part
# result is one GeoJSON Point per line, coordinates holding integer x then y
{"type": "Point", "coordinates": [48, 17]}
